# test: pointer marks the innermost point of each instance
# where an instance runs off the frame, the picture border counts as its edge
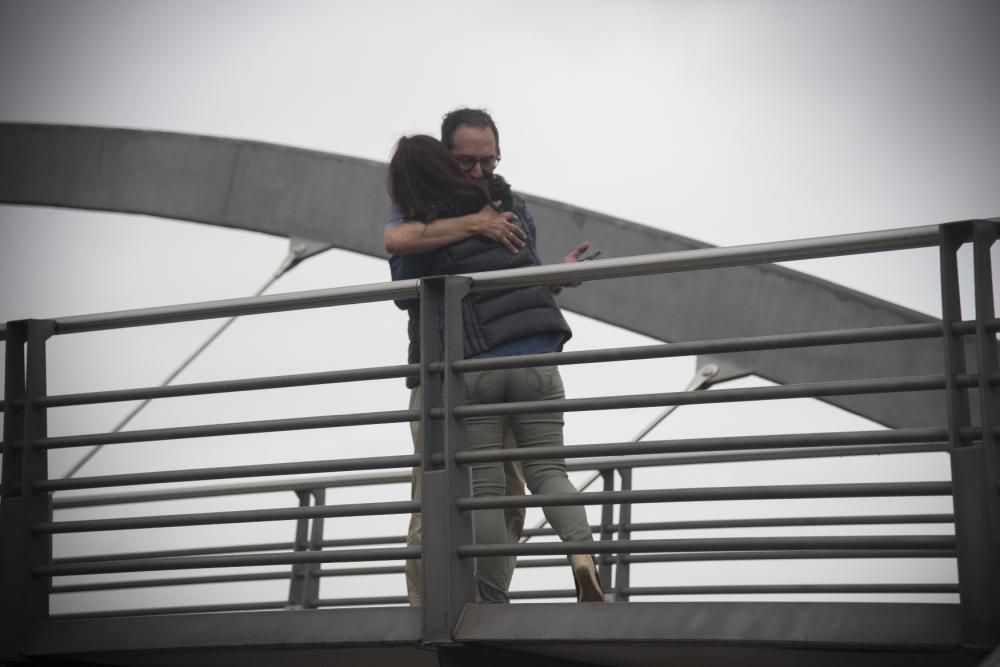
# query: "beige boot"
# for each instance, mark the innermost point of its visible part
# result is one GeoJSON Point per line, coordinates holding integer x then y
{"type": "Point", "coordinates": [588, 587]}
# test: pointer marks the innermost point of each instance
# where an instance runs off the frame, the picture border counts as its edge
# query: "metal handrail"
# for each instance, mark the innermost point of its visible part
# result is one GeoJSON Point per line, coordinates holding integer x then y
{"type": "Point", "coordinates": [726, 524]}
{"type": "Point", "coordinates": [801, 390]}
{"type": "Point", "coordinates": [227, 386]}
{"type": "Point", "coordinates": [837, 439]}
{"type": "Point", "coordinates": [657, 351]}
{"type": "Point", "coordinates": [669, 262]}
{"type": "Point", "coordinates": [779, 492]}
{"type": "Point", "coordinates": [250, 560]}
{"type": "Point", "coordinates": [239, 516]}
{"type": "Point", "coordinates": [709, 450]}
{"type": "Point", "coordinates": [709, 544]}
{"type": "Point", "coordinates": [231, 472]}
{"type": "Point", "coordinates": [712, 258]}
{"type": "Point", "coordinates": [621, 455]}
{"type": "Point", "coordinates": [253, 305]}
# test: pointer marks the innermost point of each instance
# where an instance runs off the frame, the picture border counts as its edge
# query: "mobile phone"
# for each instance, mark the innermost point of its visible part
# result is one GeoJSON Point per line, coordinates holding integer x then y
{"type": "Point", "coordinates": [593, 255]}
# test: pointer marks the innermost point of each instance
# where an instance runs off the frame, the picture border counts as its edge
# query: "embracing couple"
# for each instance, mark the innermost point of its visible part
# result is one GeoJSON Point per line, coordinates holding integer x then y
{"type": "Point", "coordinates": [453, 215]}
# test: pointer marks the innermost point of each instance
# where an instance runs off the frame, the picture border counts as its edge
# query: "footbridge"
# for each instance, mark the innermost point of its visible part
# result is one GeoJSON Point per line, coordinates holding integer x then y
{"type": "Point", "coordinates": [929, 385]}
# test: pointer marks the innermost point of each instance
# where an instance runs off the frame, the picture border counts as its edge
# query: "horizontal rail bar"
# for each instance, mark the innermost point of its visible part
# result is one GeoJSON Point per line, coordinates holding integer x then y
{"type": "Point", "coordinates": [228, 472]}
{"type": "Point", "coordinates": [770, 589]}
{"type": "Point", "coordinates": [774, 554]}
{"type": "Point", "coordinates": [753, 589]}
{"type": "Point", "coordinates": [178, 581]}
{"type": "Point", "coordinates": [703, 347]}
{"type": "Point", "coordinates": [162, 611]}
{"type": "Point", "coordinates": [711, 258]}
{"type": "Point", "coordinates": [769, 522]}
{"type": "Point", "coordinates": [237, 428]}
{"type": "Point", "coordinates": [220, 579]}
{"type": "Point", "coordinates": [91, 500]}
{"type": "Point", "coordinates": [542, 594]}
{"type": "Point", "coordinates": [773, 522]}
{"type": "Point", "coordinates": [817, 554]}
{"type": "Point", "coordinates": [780, 492]}
{"type": "Point", "coordinates": [658, 460]}
{"type": "Point", "coordinates": [804, 390]}
{"type": "Point", "coordinates": [255, 305]}
{"type": "Point", "coordinates": [195, 551]}
{"type": "Point", "coordinates": [669, 262]}
{"type": "Point", "coordinates": [714, 544]}
{"type": "Point", "coordinates": [251, 560]}
{"type": "Point", "coordinates": [786, 554]}
{"type": "Point", "coordinates": [225, 386]}
{"type": "Point", "coordinates": [234, 549]}
{"type": "Point", "coordinates": [95, 500]}
{"type": "Point", "coordinates": [361, 571]}
{"type": "Point", "coordinates": [726, 443]}
{"type": "Point", "coordinates": [801, 521]}
{"type": "Point", "coordinates": [241, 516]}
{"type": "Point", "coordinates": [801, 390]}
{"type": "Point", "coordinates": [359, 602]}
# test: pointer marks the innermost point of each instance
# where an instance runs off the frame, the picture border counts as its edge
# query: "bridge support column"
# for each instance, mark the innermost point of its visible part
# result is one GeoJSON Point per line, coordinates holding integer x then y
{"type": "Point", "coordinates": [449, 581]}
{"type": "Point", "coordinates": [975, 465]}
{"type": "Point", "coordinates": [25, 598]}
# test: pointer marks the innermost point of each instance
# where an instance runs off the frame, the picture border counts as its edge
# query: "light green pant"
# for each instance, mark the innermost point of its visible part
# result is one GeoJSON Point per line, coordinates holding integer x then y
{"type": "Point", "coordinates": [545, 476]}
{"type": "Point", "coordinates": [513, 517]}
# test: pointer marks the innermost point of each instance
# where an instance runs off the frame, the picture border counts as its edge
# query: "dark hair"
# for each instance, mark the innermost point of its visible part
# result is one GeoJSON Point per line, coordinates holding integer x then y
{"type": "Point", "coordinates": [472, 117]}
{"type": "Point", "coordinates": [424, 177]}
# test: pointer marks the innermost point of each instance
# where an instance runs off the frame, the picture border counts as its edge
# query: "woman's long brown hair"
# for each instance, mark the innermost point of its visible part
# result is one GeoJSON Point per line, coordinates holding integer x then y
{"type": "Point", "coordinates": [424, 176]}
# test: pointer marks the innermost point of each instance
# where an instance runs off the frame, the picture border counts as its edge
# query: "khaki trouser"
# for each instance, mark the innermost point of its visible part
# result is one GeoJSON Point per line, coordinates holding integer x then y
{"type": "Point", "coordinates": [514, 517]}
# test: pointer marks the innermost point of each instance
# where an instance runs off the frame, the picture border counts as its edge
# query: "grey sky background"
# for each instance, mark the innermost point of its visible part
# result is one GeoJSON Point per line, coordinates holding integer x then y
{"type": "Point", "coordinates": [728, 122]}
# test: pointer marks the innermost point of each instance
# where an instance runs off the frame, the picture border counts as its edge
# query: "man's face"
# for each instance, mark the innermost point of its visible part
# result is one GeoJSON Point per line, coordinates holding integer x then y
{"type": "Point", "coordinates": [475, 148]}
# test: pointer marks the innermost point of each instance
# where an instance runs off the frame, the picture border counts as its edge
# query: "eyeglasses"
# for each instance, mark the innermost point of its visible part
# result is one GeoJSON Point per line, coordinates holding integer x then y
{"type": "Point", "coordinates": [468, 163]}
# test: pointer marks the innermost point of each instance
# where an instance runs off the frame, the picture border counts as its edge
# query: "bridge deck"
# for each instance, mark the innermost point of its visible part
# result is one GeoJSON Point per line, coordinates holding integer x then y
{"type": "Point", "coordinates": [632, 634]}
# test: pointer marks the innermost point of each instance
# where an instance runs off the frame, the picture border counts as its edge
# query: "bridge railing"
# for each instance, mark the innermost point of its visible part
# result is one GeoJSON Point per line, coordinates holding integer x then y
{"type": "Point", "coordinates": [31, 575]}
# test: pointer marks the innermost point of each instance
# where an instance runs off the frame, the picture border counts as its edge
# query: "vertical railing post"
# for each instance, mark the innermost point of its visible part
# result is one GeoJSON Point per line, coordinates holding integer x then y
{"type": "Point", "coordinates": [607, 530]}
{"type": "Point", "coordinates": [315, 544]}
{"type": "Point", "coordinates": [25, 596]}
{"type": "Point", "coordinates": [296, 587]}
{"type": "Point", "coordinates": [984, 235]}
{"type": "Point", "coordinates": [623, 569]}
{"type": "Point", "coordinates": [303, 589]}
{"type": "Point", "coordinates": [449, 581]}
{"type": "Point", "coordinates": [977, 567]}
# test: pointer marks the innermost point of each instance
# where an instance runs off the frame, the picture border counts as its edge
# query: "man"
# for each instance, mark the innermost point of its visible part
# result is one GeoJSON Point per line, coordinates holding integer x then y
{"type": "Point", "coordinates": [472, 137]}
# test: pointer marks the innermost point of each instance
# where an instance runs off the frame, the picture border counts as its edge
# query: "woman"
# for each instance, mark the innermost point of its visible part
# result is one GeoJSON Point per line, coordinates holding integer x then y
{"type": "Point", "coordinates": [426, 183]}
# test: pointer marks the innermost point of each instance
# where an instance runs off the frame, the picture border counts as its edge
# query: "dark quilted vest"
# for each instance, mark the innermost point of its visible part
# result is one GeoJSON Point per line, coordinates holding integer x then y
{"type": "Point", "coordinates": [494, 317]}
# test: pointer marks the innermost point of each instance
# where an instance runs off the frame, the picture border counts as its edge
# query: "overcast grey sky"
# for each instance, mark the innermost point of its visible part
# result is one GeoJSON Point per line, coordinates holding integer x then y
{"type": "Point", "coordinates": [728, 122]}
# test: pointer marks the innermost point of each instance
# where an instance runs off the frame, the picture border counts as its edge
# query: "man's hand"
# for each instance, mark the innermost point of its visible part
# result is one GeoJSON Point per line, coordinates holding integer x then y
{"type": "Point", "coordinates": [572, 257]}
{"type": "Point", "coordinates": [497, 225]}
{"type": "Point", "coordinates": [574, 254]}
